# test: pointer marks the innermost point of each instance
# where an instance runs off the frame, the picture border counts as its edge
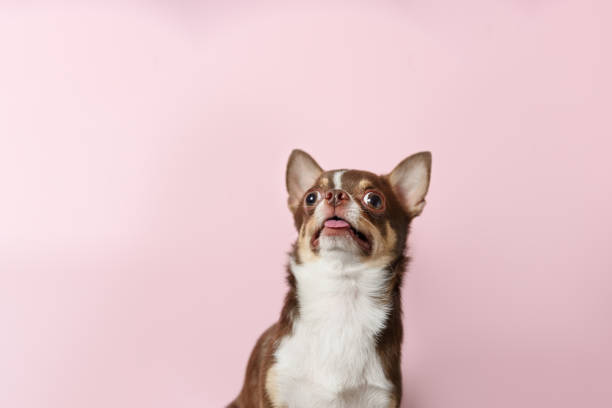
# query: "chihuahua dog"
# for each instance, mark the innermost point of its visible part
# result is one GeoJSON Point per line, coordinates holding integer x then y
{"type": "Point", "coordinates": [337, 341]}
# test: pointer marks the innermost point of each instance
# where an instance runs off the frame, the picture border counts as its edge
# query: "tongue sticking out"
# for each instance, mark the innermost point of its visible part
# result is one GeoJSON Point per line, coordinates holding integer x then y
{"type": "Point", "coordinates": [341, 228]}
{"type": "Point", "coordinates": [336, 224]}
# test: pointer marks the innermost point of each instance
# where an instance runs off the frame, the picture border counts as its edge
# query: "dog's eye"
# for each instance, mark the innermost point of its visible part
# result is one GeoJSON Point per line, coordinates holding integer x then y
{"type": "Point", "coordinates": [373, 200]}
{"type": "Point", "coordinates": [312, 198]}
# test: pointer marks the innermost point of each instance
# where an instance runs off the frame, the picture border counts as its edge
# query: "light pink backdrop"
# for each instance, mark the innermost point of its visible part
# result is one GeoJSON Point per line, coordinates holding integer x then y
{"type": "Point", "coordinates": [143, 226]}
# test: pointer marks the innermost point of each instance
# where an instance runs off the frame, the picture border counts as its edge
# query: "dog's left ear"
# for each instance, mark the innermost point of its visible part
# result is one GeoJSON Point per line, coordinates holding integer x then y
{"type": "Point", "coordinates": [302, 172]}
{"type": "Point", "coordinates": [410, 181]}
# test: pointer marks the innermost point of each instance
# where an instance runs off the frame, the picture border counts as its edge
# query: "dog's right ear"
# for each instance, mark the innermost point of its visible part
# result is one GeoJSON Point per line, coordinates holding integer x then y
{"type": "Point", "coordinates": [302, 172]}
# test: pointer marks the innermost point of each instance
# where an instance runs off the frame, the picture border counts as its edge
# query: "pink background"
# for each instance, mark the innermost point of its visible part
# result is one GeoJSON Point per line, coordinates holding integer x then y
{"type": "Point", "coordinates": [143, 226]}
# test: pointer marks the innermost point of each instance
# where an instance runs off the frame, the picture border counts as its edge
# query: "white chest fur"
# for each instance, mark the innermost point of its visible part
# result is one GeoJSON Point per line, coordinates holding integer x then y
{"type": "Point", "coordinates": [330, 359]}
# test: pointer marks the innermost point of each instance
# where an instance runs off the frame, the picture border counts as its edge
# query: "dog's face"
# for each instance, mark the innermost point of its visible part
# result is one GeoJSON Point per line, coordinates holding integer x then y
{"type": "Point", "coordinates": [355, 214]}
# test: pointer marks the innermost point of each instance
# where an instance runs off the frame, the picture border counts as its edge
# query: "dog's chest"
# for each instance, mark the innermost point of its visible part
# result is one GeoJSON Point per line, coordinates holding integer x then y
{"type": "Point", "coordinates": [330, 359]}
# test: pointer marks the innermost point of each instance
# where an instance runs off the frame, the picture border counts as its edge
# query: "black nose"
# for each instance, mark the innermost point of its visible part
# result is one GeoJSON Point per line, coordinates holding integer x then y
{"type": "Point", "coordinates": [336, 197]}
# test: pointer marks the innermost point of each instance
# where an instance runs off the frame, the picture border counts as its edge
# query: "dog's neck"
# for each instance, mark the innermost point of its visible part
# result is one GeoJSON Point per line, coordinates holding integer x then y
{"type": "Point", "coordinates": [331, 268]}
{"type": "Point", "coordinates": [332, 289]}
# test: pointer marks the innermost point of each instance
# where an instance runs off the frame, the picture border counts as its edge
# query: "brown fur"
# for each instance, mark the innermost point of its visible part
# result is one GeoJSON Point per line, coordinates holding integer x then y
{"type": "Point", "coordinates": [254, 392]}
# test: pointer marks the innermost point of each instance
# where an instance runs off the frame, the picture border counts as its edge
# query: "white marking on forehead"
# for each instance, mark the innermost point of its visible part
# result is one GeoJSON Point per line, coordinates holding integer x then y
{"type": "Point", "coordinates": [338, 179]}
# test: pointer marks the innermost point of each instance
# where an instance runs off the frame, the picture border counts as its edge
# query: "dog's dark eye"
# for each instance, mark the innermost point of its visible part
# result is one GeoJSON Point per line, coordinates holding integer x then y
{"type": "Point", "coordinates": [373, 200]}
{"type": "Point", "coordinates": [312, 198]}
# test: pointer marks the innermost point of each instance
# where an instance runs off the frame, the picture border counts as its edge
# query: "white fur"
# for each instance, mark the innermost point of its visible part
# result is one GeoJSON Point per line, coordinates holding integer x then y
{"type": "Point", "coordinates": [338, 179]}
{"type": "Point", "coordinates": [330, 359]}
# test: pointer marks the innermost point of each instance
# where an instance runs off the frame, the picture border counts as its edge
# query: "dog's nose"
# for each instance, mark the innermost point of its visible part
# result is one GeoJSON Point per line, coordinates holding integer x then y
{"type": "Point", "coordinates": [336, 197]}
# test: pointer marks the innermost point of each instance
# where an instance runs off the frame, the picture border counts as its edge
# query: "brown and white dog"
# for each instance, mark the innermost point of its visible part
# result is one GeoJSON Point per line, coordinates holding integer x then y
{"type": "Point", "coordinates": [337, 342]}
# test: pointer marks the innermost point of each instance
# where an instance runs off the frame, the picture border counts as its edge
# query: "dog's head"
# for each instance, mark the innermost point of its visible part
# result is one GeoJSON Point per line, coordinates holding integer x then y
{"type": "Point", "coordinates": [355, 214]}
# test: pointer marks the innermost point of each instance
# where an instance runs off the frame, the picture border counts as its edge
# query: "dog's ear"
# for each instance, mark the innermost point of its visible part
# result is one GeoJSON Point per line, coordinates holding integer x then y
{"type": "Point", "coordinates": [410, 181]}
{"type": "Point", "coordinates": [302, 172]}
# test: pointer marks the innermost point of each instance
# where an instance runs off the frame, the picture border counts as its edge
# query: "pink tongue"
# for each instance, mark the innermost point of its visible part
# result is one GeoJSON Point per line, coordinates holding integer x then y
{"type": "Point", "coordinates": [336, 224]}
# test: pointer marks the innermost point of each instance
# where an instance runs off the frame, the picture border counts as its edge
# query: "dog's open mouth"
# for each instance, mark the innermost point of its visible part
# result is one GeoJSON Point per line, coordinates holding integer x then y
{"type": "Point", "coordinates": [336, 226]}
